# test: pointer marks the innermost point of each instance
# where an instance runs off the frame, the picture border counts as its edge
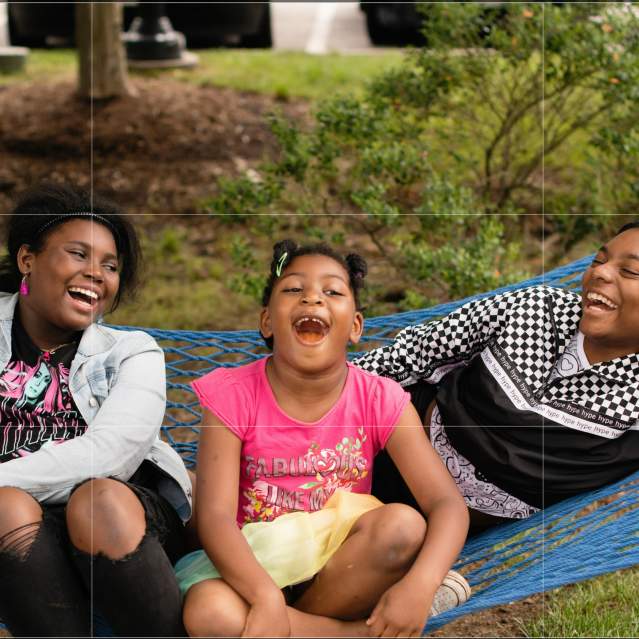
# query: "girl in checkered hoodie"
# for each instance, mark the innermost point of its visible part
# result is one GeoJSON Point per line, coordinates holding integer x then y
{"type": "Point", "coordinates": [531, 396]}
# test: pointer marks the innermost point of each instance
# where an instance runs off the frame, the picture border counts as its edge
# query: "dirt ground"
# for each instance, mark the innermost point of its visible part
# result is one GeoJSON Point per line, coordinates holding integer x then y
{"type": "Point", "coordinates": [159, 152]}
{"type": "Point", "coordinates": [500, 621]}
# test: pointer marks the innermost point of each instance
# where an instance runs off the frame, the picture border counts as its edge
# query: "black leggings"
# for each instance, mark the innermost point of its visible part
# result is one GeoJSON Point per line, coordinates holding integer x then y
{"type": "Point", "coordinates": [388, 484]}
{"type": "Point", "coordinates": [53, 589]}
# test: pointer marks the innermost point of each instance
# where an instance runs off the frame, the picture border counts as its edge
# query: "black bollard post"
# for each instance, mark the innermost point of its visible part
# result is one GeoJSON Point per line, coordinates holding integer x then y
{"type": "Point", "coordinates": [151, 40]}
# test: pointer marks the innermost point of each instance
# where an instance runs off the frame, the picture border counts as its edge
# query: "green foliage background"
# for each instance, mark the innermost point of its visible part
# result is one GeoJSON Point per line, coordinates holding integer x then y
{"type": "Point", "coordinates": [517, 124]}
{"type": "Point", "coordinates": [507, 145]}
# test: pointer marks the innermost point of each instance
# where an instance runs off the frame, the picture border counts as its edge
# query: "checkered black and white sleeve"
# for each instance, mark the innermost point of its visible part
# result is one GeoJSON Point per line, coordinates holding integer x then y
{"type": "Point", "coordinates": [428, 351]}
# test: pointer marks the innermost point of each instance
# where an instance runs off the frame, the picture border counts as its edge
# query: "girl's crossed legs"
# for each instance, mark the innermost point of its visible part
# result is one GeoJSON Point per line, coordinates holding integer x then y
{"type": "Point", "coordinates": [377, 553]}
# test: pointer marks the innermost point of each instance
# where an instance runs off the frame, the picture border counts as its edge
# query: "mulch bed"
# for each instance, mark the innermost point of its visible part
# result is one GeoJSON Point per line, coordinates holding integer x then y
{"type": "Point", "coordinates": [158, 152]}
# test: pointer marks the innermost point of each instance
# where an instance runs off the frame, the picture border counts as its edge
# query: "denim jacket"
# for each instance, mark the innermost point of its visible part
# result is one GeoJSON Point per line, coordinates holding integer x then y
{"type": "Point", "coordinates": [117, 382]}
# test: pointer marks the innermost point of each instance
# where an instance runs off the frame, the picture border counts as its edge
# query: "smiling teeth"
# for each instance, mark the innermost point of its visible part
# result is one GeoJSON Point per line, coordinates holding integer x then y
{"type": "Point", "coordinates": [310, 319]}
{"type": "Point", "coordinates": [84, 291]}
{"type": "Point", "coordinates": [596, 297]}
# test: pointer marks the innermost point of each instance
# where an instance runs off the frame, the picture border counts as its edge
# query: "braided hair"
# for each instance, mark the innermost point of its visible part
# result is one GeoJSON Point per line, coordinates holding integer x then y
{"type": "Point", "coordinates": [286, 251]}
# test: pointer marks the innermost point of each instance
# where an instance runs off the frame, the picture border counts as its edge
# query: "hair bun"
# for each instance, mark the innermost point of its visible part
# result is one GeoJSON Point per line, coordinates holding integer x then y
{"type": "Point", "coordinates": [357, 265]}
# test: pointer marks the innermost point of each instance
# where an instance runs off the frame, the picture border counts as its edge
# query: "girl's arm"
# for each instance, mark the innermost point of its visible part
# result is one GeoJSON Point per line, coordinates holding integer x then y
{"type": "Point", "coordinates": [218, 476]}
{"type": "Point", "coordinates": [428, 351]}
{"type": "Point", "coordinates": [404, 608]}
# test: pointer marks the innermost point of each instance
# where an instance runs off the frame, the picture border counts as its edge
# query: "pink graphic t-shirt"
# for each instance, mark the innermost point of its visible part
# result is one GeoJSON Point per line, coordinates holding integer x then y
{"type": "Point", "coordinates": [288, 465]}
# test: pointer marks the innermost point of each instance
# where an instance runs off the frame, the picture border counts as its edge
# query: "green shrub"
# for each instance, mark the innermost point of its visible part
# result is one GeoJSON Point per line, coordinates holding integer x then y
{"type": "Point", "coordinates": [538, 100]}
{"type": "Point", "coordinates": [434, 164]}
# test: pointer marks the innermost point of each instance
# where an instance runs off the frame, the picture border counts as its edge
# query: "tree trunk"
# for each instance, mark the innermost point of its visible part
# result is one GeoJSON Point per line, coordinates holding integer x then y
{"type": "Point", "coordinates": [102, 61]}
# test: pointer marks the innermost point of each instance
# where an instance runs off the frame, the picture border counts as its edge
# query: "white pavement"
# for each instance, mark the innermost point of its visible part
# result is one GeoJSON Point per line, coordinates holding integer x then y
{"type": "Point", "coordinates": [319, 27]}
{"type": "Point", "coordinates": [4, 25]}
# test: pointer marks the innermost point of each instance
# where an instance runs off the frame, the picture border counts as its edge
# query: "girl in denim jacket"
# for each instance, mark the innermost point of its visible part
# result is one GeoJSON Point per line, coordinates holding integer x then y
{"type": "Point", "coordinates": [92, 502]}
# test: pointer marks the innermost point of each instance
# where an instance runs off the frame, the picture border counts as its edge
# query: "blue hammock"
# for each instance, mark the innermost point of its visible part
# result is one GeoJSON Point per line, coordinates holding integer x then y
{"type": "Point", "coordinates": [573, 540]}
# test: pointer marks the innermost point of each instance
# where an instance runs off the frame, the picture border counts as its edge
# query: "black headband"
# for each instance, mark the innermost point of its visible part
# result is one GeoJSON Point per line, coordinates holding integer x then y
{"type": "Point", "coordinates": [79, 214]}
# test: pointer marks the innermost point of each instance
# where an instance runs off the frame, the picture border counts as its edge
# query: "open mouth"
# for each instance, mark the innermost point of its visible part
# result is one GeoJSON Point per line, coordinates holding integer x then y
{"type": "Point", "coordinates": [599, 302]}
{"type": "Point", "coordinates": [310, 329]}
{"type": "Point", "coordinates": [85, 296]}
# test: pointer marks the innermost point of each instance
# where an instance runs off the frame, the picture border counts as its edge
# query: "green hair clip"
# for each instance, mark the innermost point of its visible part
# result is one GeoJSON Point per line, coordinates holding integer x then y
{"type": "Point", "coordinates": [280, 264]}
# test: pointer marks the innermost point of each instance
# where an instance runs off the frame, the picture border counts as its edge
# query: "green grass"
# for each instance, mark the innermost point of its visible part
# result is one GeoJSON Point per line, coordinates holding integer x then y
{"type": "Point", "coordinates": [282, 73]}
{"type": "Point", "coordinates": [607, 606]}
{"type": "Point", "coordinates": [55, 64]}
{"type": "Point", "coordinates": [184, 289]}
{"type": "Point", "coordinates": [279, 73]}
{"type": "Point", "coordinates": [197, 305]}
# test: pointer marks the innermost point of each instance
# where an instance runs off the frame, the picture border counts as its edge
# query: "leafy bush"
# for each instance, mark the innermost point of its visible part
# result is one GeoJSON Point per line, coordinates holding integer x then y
{"type": "Point", "coordinates": [430, 170]}
{"type": "Point", "coordinates": [540, 101]}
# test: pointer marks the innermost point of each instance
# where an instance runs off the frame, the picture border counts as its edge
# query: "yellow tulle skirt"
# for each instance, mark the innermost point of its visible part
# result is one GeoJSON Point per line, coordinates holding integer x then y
{"type": "Point", "coordinates": [293, 547]}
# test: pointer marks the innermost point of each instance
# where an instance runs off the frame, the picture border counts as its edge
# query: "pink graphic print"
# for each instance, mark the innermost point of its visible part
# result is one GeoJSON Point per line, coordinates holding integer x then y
{"type": "Point", "coordinates": [36, 408]}
{"type": "Point", "coordinates": [321, 473]}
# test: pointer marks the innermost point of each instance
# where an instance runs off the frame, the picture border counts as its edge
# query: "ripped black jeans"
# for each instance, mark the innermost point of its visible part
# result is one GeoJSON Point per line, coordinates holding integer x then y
{"type": "Point", "coordinates": [49, 588]}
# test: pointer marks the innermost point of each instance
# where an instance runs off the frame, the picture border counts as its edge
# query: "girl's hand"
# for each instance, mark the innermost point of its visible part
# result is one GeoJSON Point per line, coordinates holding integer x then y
{"type": "Point", "coordinates": [402, 611]}
{"type": "Point", "coordinates": [267, 617]}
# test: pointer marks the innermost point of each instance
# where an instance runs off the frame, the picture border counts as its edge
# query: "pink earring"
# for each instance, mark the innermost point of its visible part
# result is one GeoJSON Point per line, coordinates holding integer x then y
{"type": "Point", "coordinates": [24, 286]}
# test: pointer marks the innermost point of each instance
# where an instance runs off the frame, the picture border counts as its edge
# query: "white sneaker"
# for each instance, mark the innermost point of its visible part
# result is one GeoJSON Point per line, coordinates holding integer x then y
{"type": "Point", "coordinates": [454, 591]}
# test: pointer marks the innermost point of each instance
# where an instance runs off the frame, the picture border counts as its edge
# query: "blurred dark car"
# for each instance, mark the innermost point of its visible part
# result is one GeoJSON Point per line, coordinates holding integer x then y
{"type": "Point", "coordinates": [393, 23]}
{"type": "Point", "coordinates": [401, 23]}
{"type": "Point", "coordinates": [245, 24]}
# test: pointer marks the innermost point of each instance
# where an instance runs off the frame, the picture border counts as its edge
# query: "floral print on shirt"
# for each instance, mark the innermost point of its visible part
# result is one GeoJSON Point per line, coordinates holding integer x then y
{"type": "Point", "coordinates": [321, 472]}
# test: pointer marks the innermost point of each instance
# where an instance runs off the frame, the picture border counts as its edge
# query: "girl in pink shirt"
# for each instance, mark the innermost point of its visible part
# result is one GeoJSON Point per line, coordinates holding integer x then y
{"type": "Point", "coordinates": [301, 428]}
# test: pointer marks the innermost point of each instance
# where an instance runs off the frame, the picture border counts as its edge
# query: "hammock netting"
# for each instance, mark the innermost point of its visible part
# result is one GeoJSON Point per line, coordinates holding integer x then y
{"type": "Point", "coordinates": [573, 540]}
